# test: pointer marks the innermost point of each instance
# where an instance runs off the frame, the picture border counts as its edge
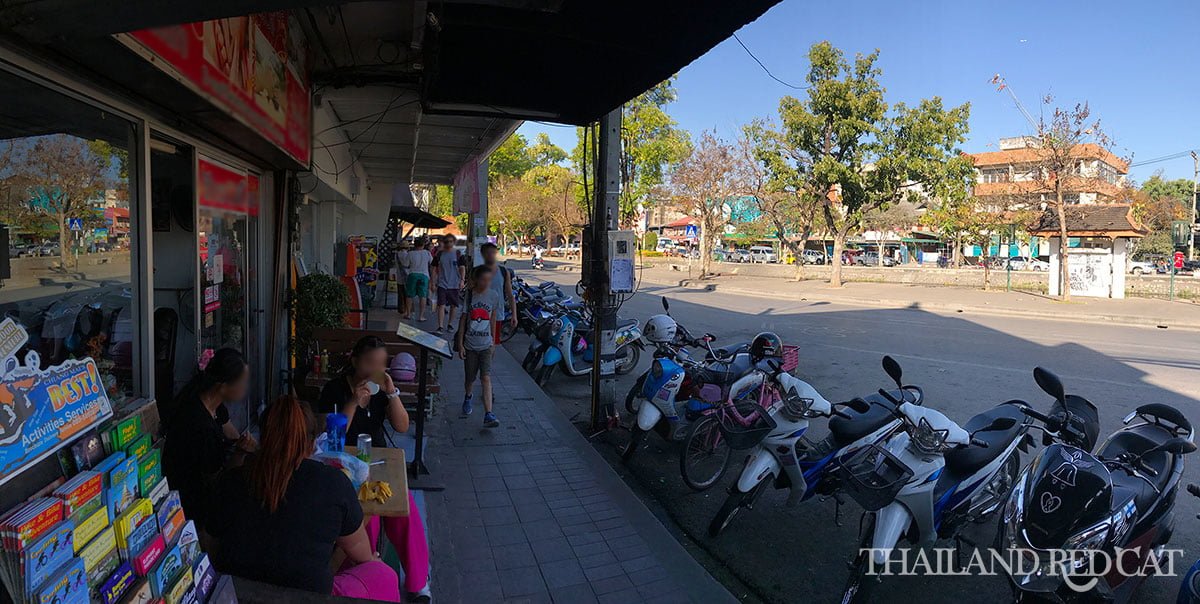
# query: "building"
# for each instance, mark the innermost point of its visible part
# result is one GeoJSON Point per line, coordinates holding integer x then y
{"type": "Point", "coordinates": [662, 213]}
{"type": "Point", "coordinates": [1100, 238]}
{"type": "Point", "coordinates": [1008, 178]}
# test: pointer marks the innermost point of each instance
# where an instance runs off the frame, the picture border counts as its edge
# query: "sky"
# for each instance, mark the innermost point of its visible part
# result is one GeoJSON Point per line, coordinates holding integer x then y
{"type": "Point", "coordinates": [1134, 64]}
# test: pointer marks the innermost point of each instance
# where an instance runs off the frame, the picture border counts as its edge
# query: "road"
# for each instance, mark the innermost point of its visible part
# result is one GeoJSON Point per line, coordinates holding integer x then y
{"type": "Point", "coordinates": [965, 366]}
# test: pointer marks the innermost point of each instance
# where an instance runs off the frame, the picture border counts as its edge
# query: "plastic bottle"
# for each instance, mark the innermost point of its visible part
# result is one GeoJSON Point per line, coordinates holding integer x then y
{"type": "Point", "coordinates": [324, 361]}
{"type": "Point", "coordinates": [316, 367]}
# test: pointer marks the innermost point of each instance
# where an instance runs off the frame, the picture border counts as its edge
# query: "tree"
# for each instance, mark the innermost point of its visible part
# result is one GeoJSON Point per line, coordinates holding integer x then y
{"type": "Point", "coordinates": [560, 212]}
{"type": "Point", "coordinates": [705, 185]}
{"type": "Point", "coordinates": [545, 153]}
{"type": "Point", "coordinates": [1178, 191]}
{"type": "Point", "coordinates": [1057, 156]}
{"type": "Point", "coordinates": [651, 145]}
{"type": "Point", "coordinates": [778, 188]}
{"type": "Point", "coordinates": [853, 155]}
{"type": "Point", "coordinates": [890, 218]}
{"type": "Point", "coordinates": [514, 204]}
{"type": "Point", "coordinates": [510, 159]}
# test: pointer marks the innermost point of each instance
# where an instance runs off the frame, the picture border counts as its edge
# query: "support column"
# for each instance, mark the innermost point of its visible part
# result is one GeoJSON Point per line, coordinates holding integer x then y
{"type": "Point", "coordinates": [604, 219]}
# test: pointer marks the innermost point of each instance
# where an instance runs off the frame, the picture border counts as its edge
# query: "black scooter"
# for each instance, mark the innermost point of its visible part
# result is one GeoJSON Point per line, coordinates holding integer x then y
{"type": "Point", "coordinates": [1090, 527]}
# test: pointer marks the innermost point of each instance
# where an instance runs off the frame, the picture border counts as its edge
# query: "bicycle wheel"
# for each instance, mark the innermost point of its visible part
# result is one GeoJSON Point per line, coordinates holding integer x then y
{"type": "Point", "coordinates": [705, 455]}
{"type": "Point", "coordinates": [507, 331]}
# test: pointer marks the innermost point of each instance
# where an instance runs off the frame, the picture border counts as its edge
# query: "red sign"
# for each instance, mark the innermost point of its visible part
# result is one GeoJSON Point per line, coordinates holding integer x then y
{"type": "Point", "coordinates": [1178, 259]}
{"type": "Point", "coordinates": [253, 67]}
{"type": "Point", "coordinates": [224, 188]}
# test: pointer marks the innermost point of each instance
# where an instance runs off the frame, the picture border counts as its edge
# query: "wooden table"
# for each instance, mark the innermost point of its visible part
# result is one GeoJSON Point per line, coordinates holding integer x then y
{"type": "Point", "coordinates": [393, 471]}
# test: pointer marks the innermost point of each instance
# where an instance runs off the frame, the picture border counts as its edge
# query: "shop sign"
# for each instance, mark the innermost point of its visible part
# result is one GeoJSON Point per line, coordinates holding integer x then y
{"type": "Point", "coordinates": [467, 186]}
{"type": "Point", "coordinates": [254, 67]}
{"type": "Point", "coordinates": [225, 188]}
{"type": "Point", "coordinates": [43, 410]}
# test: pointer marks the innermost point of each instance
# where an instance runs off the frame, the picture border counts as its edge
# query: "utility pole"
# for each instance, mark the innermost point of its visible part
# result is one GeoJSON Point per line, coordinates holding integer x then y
{"type": "Point", "coordinates": [1192, 217]}
{"type": "Point", "coordinates": [604, 219]}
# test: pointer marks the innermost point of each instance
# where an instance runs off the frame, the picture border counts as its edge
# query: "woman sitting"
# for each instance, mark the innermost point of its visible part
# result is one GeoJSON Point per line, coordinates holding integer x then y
{"type": "Point", "coordinates": [200, 439]}
{"type": "Point", "coordinates": [283, 514]}
{"type": "Point", "coordinates": [367, 407]}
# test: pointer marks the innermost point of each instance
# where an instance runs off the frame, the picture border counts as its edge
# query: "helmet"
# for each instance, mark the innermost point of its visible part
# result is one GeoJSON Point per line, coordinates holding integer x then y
{"type": "Point", "coordinates": [765, 344]}
{"type": "Point", "coordinates": [403, 367]}
{"type": "Point", "coordinates": [660, 329]}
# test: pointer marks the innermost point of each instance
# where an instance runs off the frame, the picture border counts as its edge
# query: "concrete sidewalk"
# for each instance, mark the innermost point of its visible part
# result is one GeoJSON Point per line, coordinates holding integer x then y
{"type": "Point", "coordinates": [531, 513]}
{"type": "Point", "coordinates": [1145, 312]}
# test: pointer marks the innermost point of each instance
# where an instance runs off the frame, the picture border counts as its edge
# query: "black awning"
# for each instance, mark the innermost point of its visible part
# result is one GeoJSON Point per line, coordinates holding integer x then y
{"type": "Point", "coordinates": [418, 218]}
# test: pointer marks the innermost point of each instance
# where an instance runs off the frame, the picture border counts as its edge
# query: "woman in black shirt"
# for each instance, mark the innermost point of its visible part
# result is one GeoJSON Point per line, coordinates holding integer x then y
{"type": "Point", "coordinates": [200, 439]}
{"type": "Point", "coordinates": [282, 515]}
{"type": "Point", "coordinates": [351, 394]}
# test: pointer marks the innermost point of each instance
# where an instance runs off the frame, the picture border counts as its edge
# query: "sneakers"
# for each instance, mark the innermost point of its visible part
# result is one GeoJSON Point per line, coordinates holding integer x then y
{"type": "Point", "coordinates": [489, 420]}
{"type": "Point", "coordinates": [466, 408]}
{"type": "Point", "coordinates": [418, 597]}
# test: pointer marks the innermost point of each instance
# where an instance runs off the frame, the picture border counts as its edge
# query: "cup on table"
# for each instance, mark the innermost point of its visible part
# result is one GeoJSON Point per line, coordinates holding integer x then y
{"type": "Point", "coordinates": [364, 447]}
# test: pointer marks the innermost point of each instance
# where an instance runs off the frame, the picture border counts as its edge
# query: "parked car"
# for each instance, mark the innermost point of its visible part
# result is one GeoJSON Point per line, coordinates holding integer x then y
{"type": "Point", "coordinates": [763, 253]}
{"type": "Point", "coordinates": [50, 248]}
{"type": "Point", "coordinates": [1142, 267]}
{"type": "Point", "coordinates": [1025, 263]}
{"type": "Point", "coordinates": [815, 257]}
{"type": "Point", "coordinates": [739, 256]}
{"type": "Point", "coordinates": [872, 259]}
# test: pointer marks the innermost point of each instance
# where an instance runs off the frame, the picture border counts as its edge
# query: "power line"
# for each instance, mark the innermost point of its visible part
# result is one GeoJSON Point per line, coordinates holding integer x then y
{"type": "Point", "coordinates": [764, 67]}
{"type": "Point", "coordinates": [1156, 160]}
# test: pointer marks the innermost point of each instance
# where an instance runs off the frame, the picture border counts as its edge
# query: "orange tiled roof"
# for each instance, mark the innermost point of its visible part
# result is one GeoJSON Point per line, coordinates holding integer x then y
{"type": "Point", "coordinates": [1029, 155]}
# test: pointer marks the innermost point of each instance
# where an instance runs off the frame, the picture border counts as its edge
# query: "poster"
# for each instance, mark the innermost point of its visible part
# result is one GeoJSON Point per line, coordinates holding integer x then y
{"type": "Point", "coordinates": [466, 188]}
{"type": "Point", "coordinates": [43, 410]}
{"type": "Point", "coordinates": [254, 67]}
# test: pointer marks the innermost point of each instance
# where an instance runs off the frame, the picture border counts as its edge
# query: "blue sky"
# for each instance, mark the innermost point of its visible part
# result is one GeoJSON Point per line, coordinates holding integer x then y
{"type": "Point", "coordinates": [1136, 65]}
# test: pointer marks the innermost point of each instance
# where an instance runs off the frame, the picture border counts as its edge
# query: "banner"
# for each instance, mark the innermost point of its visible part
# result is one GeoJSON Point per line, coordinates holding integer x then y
{"type": "Point", "coordinates": [254, 67]}
{"type": "Point", "coordinates": [42, 410]}
{"type": "Point", "coordinates": [224, 188]}
{"type": "Point", "coordinates": [467, 185]}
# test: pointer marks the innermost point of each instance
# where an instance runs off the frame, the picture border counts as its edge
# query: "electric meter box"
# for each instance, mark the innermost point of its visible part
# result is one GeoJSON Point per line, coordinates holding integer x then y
{"type": "Point", "coordinates": [622, 256]}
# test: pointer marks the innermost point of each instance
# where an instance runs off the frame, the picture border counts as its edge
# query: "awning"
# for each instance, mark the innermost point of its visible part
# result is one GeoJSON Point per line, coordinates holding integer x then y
{"type": "Point", "coordinates": [417, 217]}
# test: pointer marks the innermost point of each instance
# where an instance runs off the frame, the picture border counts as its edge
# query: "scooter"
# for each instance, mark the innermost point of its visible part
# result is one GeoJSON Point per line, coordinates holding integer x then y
{"type": "Point", "coordinates": [1071, 510]}
{"type": "Point", "coordinates": [1189, 592]}
{"type": "Point", "coordinates": [575, 353]}
{"type": "Point", "coordinates": [538, 263]}
{"type": "Point", "coordinates": [928, 479]}
{"type": "Point", "coordinates": [788, 459]}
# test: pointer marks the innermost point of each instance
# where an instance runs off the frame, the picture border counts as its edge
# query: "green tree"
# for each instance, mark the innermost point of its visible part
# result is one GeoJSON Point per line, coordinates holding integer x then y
{"type": "Point", "coordinates": [1170, 192]}
{"type": "Point", "coordinates": [510, 159]}
{"type": "Point", "coordinates": [705, 185]}
{"type": "Point", "coordinates": [652, 144]}
{"type": "Point", "coordinates": [854, 155]}
{"type": "Point", "coordinates": [545, 153]}
{"type": "Point", "coordinates": [778, 188]}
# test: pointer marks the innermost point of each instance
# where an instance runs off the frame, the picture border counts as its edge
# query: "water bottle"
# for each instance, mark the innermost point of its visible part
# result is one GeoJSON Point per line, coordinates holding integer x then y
{"type": "Point", "coordinates": [335, 432]}
{"type": "Point", "coordinates": [364, 447]}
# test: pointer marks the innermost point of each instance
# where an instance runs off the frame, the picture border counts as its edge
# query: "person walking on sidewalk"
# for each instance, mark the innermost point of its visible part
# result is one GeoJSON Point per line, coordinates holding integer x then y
{"type": "Point", "coordinates": [501, 284]}
{"type": "Point", "coordinates": [476, 339]}
{"type": "Point", "coordinates": [449, 273]}
{"type": "Point", "coordinates": [416, 284]}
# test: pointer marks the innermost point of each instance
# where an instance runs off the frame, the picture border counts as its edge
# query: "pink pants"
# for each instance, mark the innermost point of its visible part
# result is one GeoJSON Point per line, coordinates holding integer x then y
{"type": "Point", "coordinates": [370, 580]}
{"type": "Point", "coordinates": [407, 535]}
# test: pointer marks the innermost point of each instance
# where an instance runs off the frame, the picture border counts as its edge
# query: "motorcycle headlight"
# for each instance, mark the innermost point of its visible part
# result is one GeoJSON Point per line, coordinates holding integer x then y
{"type": "Point", "coordinates": [1090, 538]}
{"type": "Point", "coordinates": [1015, 508]}
{"type": "Point", "coordinates": [926, 439]}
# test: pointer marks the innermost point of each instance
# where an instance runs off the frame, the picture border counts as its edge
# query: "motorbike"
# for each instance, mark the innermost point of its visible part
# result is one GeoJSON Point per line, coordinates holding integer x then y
{"type": "Point", "coordinates": [1189, 592]}
{"type": "Point", "coordinates": [1116, 504]}
{"type": "Point", "coordinates": [538, 263]}
{"type": "Point", "coordinates": [561, 343]}
{"type": "Point", "coordinates": [929, 478]}
{"type": "Point", "coordinates": [787, 458]}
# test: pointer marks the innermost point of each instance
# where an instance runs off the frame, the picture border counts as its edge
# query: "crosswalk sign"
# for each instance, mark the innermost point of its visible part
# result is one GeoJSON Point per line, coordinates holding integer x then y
{"type": "Point", "coordinates": [691, 231]}
{"type": "Point", "coordinates": [75, 224]}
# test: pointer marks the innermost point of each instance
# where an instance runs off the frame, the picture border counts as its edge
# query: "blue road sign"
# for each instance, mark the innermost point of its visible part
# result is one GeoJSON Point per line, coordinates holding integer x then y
{"type": "Point", "coordinates": [75, 224]}
{"type": "Point", "coordinates": [691, 231]}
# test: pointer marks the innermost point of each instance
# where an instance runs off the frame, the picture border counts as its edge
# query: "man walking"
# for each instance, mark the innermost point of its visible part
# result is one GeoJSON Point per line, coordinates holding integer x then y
{"type": "Point", "coordinates": [449, 274]}
{"type": "Point", "coordinates": [476, 339]}
{"type": "Point", "coordinates": [416, 284]}
{"type": "Point", "coordinates": [501, 284]}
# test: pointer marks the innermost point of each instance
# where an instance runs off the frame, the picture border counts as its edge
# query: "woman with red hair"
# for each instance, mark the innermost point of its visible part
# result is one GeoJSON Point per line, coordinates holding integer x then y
{"type": "Point", "coordinates": [278, 518]}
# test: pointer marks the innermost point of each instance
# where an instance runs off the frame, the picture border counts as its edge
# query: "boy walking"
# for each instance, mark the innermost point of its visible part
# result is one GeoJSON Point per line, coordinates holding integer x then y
{"type": "Point", "coordinates": [476, 339]}
{"type": "Point", "coordinates": [449, 274]}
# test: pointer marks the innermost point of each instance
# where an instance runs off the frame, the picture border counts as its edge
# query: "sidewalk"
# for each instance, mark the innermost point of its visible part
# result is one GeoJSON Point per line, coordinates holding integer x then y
{"type": "Point", "coordinates": [1145, 312]}
{"type": "Point", "coordinates": [531, 513]}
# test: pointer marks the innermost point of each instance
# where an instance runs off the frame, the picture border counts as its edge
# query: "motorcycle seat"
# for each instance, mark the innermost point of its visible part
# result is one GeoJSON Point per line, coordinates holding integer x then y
{"type": "Point", "coordinates": [967, 460]}
{"type": "Point", "coordinates": [571, 305]}
{"type": "Point", "coordinates": [623, 324]}
{"type": "Point", "coordinates": [847, 430]}
{"type": "Point", "coordinates": [723, 374]}
{"type": "Point", "coordinates": [1138, 439]}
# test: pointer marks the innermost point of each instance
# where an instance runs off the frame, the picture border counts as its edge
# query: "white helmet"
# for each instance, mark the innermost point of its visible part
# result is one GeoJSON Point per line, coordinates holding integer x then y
{"type": "Point", "coordinates": [660, 329]}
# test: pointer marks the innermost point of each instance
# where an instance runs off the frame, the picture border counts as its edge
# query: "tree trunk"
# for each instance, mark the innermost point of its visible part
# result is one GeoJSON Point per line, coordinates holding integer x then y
{"type": "Point", "coordinates": [1064, 280]}
{"type": "Point", "coordinates": [705, 247]}
{"type": "Point", "coordinates": [835, 270]}
{"type": "Point", "coordinates": [879, 251]}
{"type": "Point", "coordinates": [956, 254]}
{"type": "Point", "coordinates": [63, 240]}
{"type": "Point", "coordinates": [797, 250]}
{"type": "Point", "coordinates": [987, 269]}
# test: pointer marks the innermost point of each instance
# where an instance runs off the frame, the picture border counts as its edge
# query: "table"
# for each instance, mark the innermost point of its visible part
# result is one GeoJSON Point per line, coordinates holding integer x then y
{"type": "Point", "coordinates": [392, 471]}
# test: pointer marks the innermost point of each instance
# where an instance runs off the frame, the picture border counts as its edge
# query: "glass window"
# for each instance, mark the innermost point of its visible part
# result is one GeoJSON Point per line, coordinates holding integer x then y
{"type": "Point", "coordinates": [66, 180]}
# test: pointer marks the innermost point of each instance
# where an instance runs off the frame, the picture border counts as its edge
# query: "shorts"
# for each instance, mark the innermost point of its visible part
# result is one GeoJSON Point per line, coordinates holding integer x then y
{"type": "Point", "coordinates": [417, 285]}
{"type": "Point", "coordinates": [478, 362]}
{"type": "Point", "coordinates": [448, 297]}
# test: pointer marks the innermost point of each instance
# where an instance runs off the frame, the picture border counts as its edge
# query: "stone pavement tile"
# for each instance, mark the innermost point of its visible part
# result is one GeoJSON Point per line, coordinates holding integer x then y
{"type": "Point", "coordinates": [647, 575]}
{"type": "Point", "coordinates": [563, 511]}
{"type": "Point", "coordinates": [550, 550]}
{"type": "Point", "coordinates": [485, 470]}
{"type": "Point", "coordinates": [489, 484]}
{"type": "Point", "coordinates": [657, 588]}
{"type": "Point", "coordinates": [505, 534]}
{"type": "Point", "coordinates": [538, 530]}
{"type": "Point", "coordinates": [562, 573]}
{"type": "Point", "coordinates": [493, 499]}
{"type": "Point", "coordinates": [619, 584]}
{"type": "Point", "coordinates": [524, 496]}
{"type": "Point", "coordinates": [517, 555]}
{"type": "Point", "coordinates": [621, 543]}
{"type": "Point", "coordinates": [576, 525]}
{"type": "Point", "coordinates": [521, 581]}
{"type": "Point", "coordinates": [612, 523]}
{"type": "Point", "coordinates": [482, 586]}
{"type": "Point", "coordinates": [531, 511]}
{"type": "Point", "coordinates": [590, 549]}
{"type": "Point", "coordinates": [573, 594]}
{"type": "Point", "coordinates": [499, 515]}
{"type": "Point", "coordinates": [615, 532]}
{"type": "Point", "coordinates": [512, 468]}
{"type": "Point", "coordinates": [520, 482]}
{"type": "Point", "coordinates": [604, 571]}
{"type": "Point", "coordinates": [585, 538]}
{"type": "Point", "coordinates": [598, 560]}
{"type": "Point", "coordinates": [538, 598]}
{"type": "Point", "coordinates": [633, 565]}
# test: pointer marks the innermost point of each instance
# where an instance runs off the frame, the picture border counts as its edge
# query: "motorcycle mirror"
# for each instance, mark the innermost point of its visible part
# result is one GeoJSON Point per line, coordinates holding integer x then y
{"type": "Point", "coordinates": [710, 337]}
{"type": "Point", "coordinates": [1000, 423]}
{"type": "Point", "coordinates": [1049, 383]}
{"type": "Point", "coordinates": [1175, 446]}
{"type": "Point", "coordinates": [666, 306]}
{"type": "Point", "coordinates": [893, 370]}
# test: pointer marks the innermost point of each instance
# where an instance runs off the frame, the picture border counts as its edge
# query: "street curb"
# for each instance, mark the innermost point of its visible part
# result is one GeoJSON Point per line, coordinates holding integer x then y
{"type": "Point", "coordinates": [1106, 319]}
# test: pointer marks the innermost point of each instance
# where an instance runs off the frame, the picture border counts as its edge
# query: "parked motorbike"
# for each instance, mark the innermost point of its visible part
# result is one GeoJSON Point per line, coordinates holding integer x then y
{"type": "Point", "coordinates": [929, 478]}
{"type": "Point", "coordinates": [564, 342]}
{"type": "Point", "coordinates": [1189, 592]}
{"type": "Point", "coordinates": [788, 459]}
{"type": "Point", "coordinates": [1117, 503]}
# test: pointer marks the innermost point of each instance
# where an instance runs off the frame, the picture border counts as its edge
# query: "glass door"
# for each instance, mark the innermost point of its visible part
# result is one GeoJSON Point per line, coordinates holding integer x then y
{"type": "Point", "coordinates": [222, 231]}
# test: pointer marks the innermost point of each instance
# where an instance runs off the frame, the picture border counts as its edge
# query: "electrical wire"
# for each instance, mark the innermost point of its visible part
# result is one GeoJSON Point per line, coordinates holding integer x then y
{"type": "Point", "coordinates": [1179, 155]}
{"type": "Point", "coordinates": [764, 67]}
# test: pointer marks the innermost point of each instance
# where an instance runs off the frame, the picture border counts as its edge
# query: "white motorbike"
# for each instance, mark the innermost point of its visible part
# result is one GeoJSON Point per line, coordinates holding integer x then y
{"type": "Point", "coordinates": [927, 480]}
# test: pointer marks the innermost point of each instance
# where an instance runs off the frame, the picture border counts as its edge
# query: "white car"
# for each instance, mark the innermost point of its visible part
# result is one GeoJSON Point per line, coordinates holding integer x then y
{"type": "Point", "coordinates": [1141, 267]}
{"type": "Point", "coordinates": [762, 253]}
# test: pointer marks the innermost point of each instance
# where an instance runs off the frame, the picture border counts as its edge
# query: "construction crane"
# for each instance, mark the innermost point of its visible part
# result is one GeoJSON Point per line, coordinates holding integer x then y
{"type": "Point", "coordinates": [999, 80]}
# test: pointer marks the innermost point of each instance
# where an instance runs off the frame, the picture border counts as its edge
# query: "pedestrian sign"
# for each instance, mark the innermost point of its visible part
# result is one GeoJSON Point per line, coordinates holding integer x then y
{"type": "Point", "coordinates": [691, 231]}
{"type": "Point", "coordinates": [75, 224]}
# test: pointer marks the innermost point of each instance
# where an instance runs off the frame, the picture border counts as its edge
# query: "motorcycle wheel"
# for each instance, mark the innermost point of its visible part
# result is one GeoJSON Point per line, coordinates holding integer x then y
{"type": "Point", "coordinates": [733, 504]}
{"type": "Point", "coordinates": [507, 331]}
{"type": "Point", "coordinates": [633, 400]}
{"type": "Point", "coordinates": [628, 362]}
{"type": "Point", "coordinates": [637, 436]}
{"type": "Point", "coordinates": [858, 586]}
{"type": "Point", "coordinates": [543, 375]}
{"type": "Point", "coordinates": [530, 362]}
{"type": "Point", "coordinates": [705, 454]}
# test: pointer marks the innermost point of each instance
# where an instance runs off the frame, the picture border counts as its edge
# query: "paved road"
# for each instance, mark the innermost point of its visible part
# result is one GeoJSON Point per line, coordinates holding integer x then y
{"type": "Point", "coordinates": [965, 366]}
